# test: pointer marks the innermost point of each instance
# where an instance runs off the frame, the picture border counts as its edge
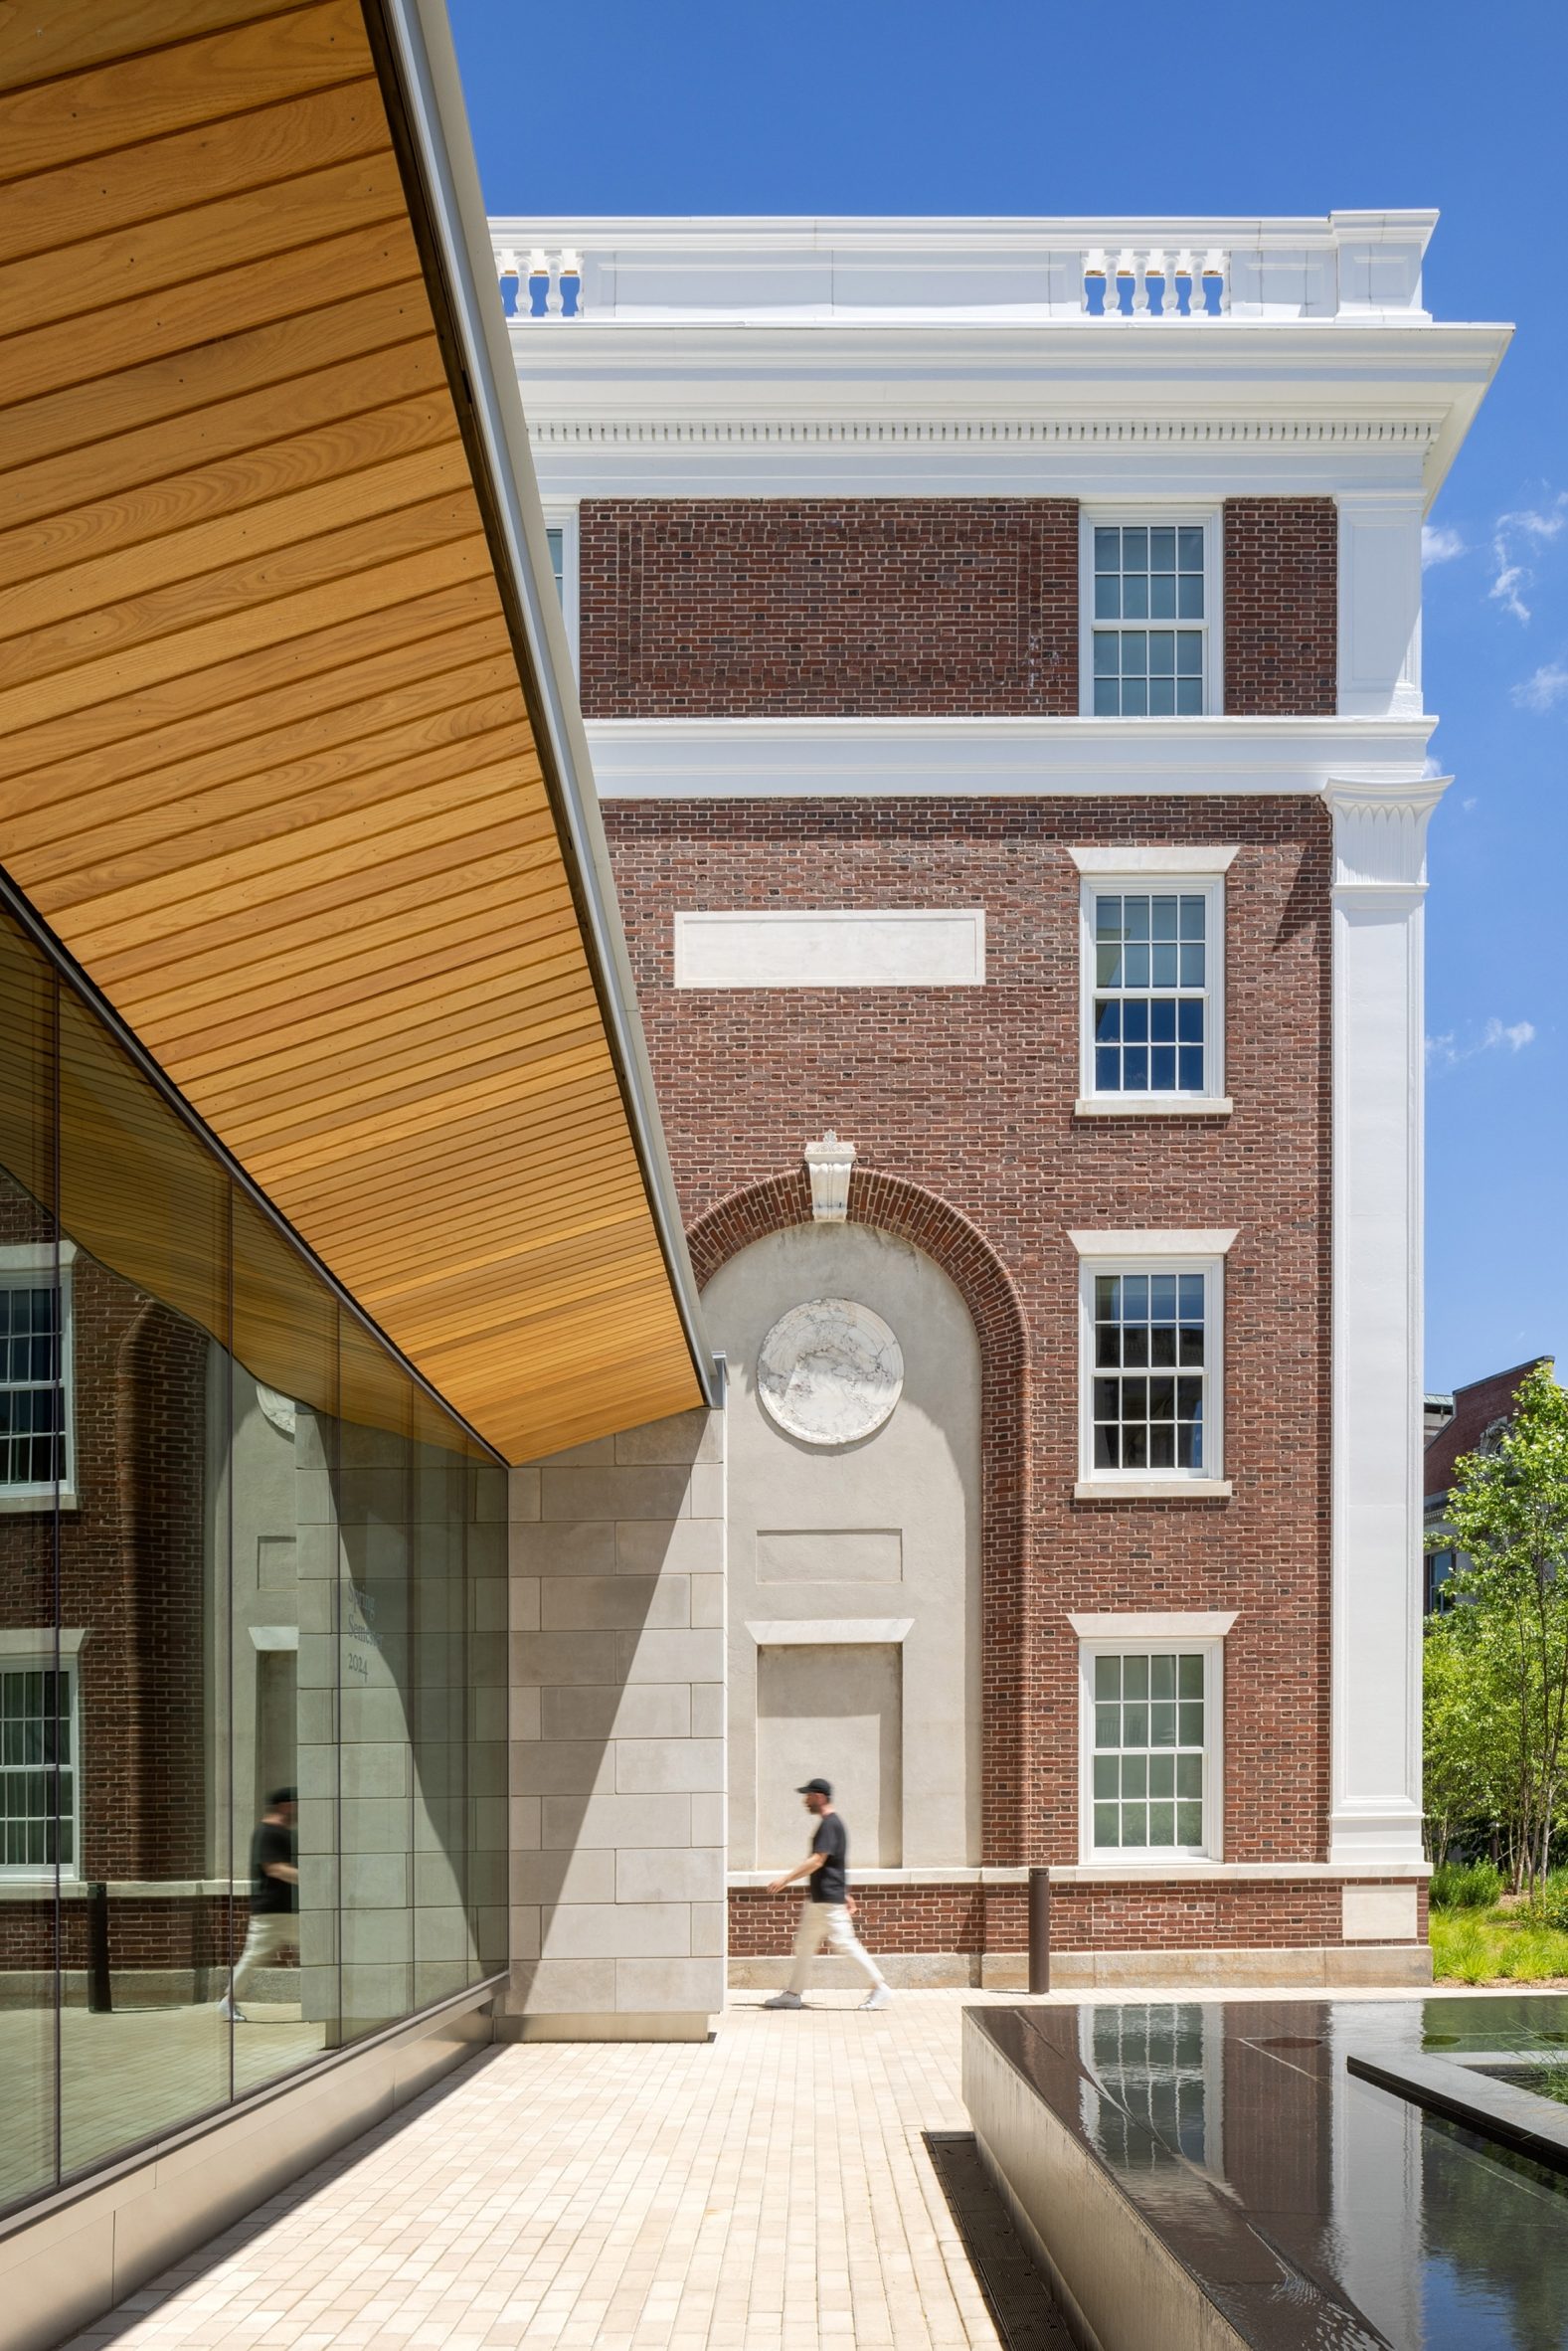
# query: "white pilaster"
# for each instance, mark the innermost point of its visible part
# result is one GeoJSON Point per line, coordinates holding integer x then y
{"type": "Point", "coordinates": [1378, 893]}
{"type": "Point", "coordinates": [1381, 603]}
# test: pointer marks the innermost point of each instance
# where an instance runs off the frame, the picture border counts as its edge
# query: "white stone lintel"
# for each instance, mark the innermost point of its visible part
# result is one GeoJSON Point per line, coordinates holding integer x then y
{"type": "Point", "coordinates": [1143, 1242]}
{"type": "Point", "coordinates": [814, 1631]}
{"type": "Point", "coordinates": [1173, 1624]}
{"type": "Point", "coordinates": [1157, 860]}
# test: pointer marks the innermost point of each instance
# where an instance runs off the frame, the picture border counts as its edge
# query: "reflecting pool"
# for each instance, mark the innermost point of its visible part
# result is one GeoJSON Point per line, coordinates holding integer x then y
{"type": "Point", "coordinates": [1313, 2206]}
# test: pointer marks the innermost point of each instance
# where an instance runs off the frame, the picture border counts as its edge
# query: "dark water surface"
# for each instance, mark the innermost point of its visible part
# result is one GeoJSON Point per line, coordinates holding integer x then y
{"type": "Point", "coordinates": [1319, 2211]}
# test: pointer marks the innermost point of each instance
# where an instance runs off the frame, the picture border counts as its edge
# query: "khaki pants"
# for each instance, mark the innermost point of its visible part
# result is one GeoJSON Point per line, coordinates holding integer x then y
{"type": "Point", "coordinates": [831, 1923]}
{"type": "Point", "coordinates": [270, 1931]}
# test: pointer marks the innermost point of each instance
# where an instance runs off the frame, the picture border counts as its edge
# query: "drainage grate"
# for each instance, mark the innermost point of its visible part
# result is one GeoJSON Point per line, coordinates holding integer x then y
{"type": "Point", "coordinates": [1016, 2295]}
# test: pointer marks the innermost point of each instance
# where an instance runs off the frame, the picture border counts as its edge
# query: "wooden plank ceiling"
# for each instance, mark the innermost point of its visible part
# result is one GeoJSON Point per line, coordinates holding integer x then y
{"type": "Point", "coordinates": [266, 765]}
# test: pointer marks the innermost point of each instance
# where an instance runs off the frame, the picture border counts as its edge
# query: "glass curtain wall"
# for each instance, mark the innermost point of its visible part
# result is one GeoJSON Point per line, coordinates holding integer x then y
{"type": "Point", "coordinates": [253, 1734]}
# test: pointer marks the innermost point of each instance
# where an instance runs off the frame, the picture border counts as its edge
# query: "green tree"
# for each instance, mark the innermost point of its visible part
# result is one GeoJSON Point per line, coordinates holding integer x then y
{"type": "Point", "coordinates": [1464, 1735]}
{"type": "Point", "coordinates": [1508, 1512]}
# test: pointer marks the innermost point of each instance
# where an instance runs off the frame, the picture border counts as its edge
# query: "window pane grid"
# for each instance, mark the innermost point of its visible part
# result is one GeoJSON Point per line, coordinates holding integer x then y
{"type": "Point", "coordinates": [1148, 574]}
{"type": "Point", "coordinates": [32, 1399]}
{"type": "Point", "coordinates": [1149, 1371]}
{"type": "Point", "coordinates": [1150, 991]}
{"type": "Point", "coordinates": [1149, 1725]}
{"type": "Point", "coordinates": [37, 1769]}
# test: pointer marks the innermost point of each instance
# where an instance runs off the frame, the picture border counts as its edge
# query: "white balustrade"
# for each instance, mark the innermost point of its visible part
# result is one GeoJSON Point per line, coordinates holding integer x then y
{"type": "Point", "coordinates": [1154, 286]}
{"type": "Point", "coordinates": [547, 288]}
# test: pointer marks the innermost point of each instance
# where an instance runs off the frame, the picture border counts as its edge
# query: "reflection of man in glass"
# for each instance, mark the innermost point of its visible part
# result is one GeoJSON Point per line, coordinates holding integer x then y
{"type": "Point", "coordinates": [275, 1898]}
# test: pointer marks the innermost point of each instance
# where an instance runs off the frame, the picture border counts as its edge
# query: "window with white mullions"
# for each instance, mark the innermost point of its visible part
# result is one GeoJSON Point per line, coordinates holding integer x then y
{"type": "Point", "coordinates": [1151, 1747]}
{"type": "Point", "coordinates": [1149, 601]}
{"type": "Point", "coordinates": [38, 1767]}
{"type": "Point", "coordinates": [31, 1391]}
{"type": "Point", "coordinates": [1150, 996]}
{"type": "Point", "coordinates": [1150, 1371]}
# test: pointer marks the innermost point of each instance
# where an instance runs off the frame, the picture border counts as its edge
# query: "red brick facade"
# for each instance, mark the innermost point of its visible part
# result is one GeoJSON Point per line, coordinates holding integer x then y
{"type": "Point", "coordinates": [787, 608]}
{"type": "Point", "coordinates": [1217, 1915]}
{"type": "Point", "coordinates": [779, 608]}
{"type": "Point", "coordinates": [968, 1094]}
{"type": "Point", "coordinates": [1282, 607]}
{"type": "Point", "coordinates": [130, 1575]}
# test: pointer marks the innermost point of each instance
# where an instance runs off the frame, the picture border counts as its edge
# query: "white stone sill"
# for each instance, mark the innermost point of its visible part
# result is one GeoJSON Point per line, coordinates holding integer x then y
{"type": "Point", "coordinates": [16, 1506]}
{"type": "Point", "coordinates": [1096, 1106]}
{"type": "Point", "coordinates": [1115, 1874]}
{"type": "Point", "coordinates": [754, 1881]}
{"type": "Point", "coordinates": [1153, 1490]}
{"type": "Point", "coordinates": [41, 1886]}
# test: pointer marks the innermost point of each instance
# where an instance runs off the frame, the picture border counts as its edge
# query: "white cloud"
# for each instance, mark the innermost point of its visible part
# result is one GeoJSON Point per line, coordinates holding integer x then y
{"type": "Point", "coordinates": [1535, 526]}
{"type": "Point", "coordinates": [1544, 689]}
{"type": "Point", "coordinates": [1439, 545]}
{"type": "Point", "coordinates": [1446, 1051]}
{"type": "Point", "coordinates": [1468, 805]}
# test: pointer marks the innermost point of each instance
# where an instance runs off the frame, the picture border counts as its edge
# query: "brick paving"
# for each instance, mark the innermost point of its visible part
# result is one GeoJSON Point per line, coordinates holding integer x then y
{"type": "Point", "coordinates": [772, 2191]}
{"type": "Point", "coordinates": [768, 2192]}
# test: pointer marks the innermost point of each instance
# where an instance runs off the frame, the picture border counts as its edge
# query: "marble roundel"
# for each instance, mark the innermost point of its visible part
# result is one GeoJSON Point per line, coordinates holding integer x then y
{"type": "Point", "coordinates": [829, 1371]}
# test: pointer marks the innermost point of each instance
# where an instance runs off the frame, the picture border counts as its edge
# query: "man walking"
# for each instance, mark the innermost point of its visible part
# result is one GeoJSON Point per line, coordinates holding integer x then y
{"type": "Point", "coordinates": [826, 1913]}
{"type": "Point", "coordinates": [274, 1898]}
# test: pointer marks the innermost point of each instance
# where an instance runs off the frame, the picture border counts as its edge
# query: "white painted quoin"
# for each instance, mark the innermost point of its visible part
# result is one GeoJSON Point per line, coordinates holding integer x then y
{"type": "Point", "coordinates": [1141, 367]}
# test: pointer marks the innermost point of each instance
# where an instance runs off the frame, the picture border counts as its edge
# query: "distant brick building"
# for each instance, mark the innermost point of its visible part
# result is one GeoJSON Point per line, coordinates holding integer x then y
{"type": "Point", "coordinates": [1001, 666]}
{"type": "Point", "coordinates": [1470, 1421]}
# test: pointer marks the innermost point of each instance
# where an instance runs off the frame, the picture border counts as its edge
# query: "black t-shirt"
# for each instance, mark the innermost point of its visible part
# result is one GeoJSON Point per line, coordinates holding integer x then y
{"type": "Point", "coordinates": [268, 1895]}
{"type": "Point", "coordinates": [832, 1841]}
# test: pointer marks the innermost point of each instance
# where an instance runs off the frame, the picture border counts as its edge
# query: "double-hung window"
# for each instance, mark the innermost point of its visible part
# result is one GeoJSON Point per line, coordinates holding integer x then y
{"type": "Point", "coordinates": [38, 1765]}
{"type": "Point", "coordinates": [1151, 1354]}
{"type": "Point", "coordinates": [1148, 595]}
{"type": "Point", "coordinates": [35, 1377]}
{"type": "Point", "coordinates": [1152, 963]}
{"type": "Point", "coordinates": [1150, 1709]}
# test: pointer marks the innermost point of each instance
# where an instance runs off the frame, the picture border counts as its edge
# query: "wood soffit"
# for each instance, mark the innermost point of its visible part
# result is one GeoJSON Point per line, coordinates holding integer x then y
{"type": "Point", "coordinates": [268, 767]}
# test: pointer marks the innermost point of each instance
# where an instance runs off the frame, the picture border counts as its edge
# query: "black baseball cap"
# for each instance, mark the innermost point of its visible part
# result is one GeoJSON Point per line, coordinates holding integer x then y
{"type": "Point", "coordinates": [816, 1788]}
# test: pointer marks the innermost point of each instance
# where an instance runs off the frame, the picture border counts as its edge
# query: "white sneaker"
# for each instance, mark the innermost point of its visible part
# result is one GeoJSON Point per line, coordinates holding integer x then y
{"type": "Point", "coordinates": [881, 1996]}
{"type": "Point", "coordinates": [232, 2015]}
{"type": "Point", "coordinates": [785, 2000]}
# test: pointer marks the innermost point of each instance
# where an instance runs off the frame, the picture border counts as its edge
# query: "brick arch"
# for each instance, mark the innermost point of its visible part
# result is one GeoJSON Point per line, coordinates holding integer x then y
{"type": "Point", "coordinates": [1010, 1815]}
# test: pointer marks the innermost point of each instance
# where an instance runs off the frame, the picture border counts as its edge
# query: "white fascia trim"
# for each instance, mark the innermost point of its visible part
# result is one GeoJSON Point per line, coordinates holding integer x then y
{"type": "Point", "coordinates": [1005, 758]}
{"type": "Point", "coordinates": [1146, 1243]}
{"type": "Point", "coordinates": [802, 1632]}
{"type": "Point", "coordinates": [1153, 861]}
{"type": "Point", "coordinates": [1201, 1624]}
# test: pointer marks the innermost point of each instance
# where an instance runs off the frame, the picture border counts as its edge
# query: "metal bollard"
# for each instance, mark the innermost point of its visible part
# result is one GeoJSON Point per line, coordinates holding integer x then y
{"type": "Point", "coordinates": [101, 1991]}
{"type": "Point", "coordinates": [1039, 1930]}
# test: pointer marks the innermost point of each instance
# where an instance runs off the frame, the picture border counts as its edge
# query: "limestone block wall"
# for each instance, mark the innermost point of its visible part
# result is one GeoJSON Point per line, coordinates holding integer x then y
{"type": "Point", "coordinates": [617, 1736]}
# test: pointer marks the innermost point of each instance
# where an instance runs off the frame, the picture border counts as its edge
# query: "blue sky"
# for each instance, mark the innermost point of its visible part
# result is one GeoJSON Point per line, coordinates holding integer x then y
{"type": "Point", "coordinates": [1005, 108]}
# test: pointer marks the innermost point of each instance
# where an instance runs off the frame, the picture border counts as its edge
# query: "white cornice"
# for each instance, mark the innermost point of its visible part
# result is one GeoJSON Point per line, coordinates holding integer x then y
{"type": "Point", "coordinates": [823, 758]}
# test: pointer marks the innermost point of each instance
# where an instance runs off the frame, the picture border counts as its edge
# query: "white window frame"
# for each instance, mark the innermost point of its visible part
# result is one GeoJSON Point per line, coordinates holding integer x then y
{"type": "Point", "coordinates": [1149, 1636]}
{"type": "Point", "coordinates": [562, 515]}
{"type": "Point", "coordinates": [34, 1265]}
{"type": "Point", "coordinates": [1136, 515]}
{"type": "Point", "coordinates": [1144, 872]}
{"type": "Point", "coordinates": [38, 1650]}
{"type": "Point", "coordinates": [1142, 1253]}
